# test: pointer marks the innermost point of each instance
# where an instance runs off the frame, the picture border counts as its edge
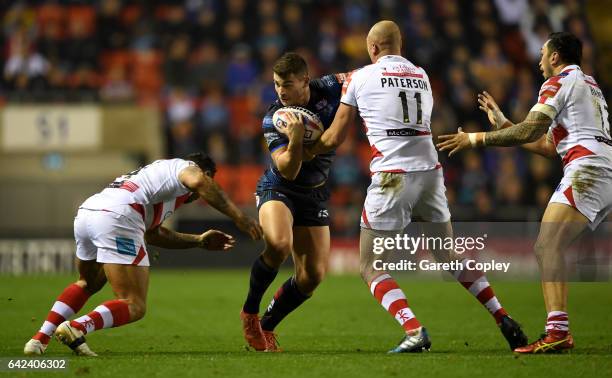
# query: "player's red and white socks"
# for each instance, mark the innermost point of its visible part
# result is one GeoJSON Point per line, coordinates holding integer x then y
{"type": "Point", "coordinates": [109, 314]}
{"type": "Point", "coordinates": [557, 322]}
{"type": "Point", "coordinates": [392, 298]}
{"type": "Point", "coordinates": [71, 301]}
{"type": "Point", "coordinates": [478, 285]}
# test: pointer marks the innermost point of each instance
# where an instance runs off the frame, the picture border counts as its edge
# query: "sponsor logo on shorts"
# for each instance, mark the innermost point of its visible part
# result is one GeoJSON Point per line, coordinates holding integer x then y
{"type": "Point", "coordinates": [125, 246]}
{"type": "Point", "coordinates": [323, 213]}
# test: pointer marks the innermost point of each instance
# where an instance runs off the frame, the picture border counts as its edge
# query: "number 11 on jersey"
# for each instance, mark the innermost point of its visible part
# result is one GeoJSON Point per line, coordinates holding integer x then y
{"type": "Point", "coordinates": [404, 100]}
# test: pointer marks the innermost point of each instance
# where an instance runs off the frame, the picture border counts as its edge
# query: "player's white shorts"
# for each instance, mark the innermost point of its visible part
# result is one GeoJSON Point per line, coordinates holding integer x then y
{"type": "Point", "coordinates": [110, 237]}
{"type": "Point", "coordinates": [394, 198]}
{"type": "Point", "coordinates": [588, 189]}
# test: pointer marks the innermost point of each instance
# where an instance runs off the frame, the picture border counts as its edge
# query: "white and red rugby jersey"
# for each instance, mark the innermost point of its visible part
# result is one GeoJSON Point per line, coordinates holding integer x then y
{"type": "Point", "coordinates": [154, 191]}
{"type": "Point", "coordinates": [394, 99]}
{"type": "Point", "coordinates": [580, 128]}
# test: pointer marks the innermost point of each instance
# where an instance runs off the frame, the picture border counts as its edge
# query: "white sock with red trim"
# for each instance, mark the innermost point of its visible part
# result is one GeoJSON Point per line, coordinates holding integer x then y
{"type": "Point", "coordinates": [392, 298]}
{"type": "Point", "coordinates": [71, 301]}
{"type": "Point", "coordinates": [557, 322]}
{"type": "Point", "coordinates": [477, 284]}
{"type": "Point", "coordinates": [109, 314]}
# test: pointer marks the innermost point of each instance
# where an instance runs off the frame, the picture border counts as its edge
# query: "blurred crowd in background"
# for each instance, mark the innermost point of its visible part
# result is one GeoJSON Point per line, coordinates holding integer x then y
{"type": "Point", "coordinates": [206, 65]}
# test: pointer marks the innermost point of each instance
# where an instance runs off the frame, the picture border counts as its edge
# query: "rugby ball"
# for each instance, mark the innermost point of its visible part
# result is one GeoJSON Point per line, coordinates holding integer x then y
{"type": "Point", "coordinates": [313, 127]}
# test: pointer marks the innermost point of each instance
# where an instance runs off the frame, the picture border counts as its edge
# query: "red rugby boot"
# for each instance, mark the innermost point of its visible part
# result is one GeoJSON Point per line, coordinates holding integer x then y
{"type": "Point", "coordinates": [252, 331]}
{"type": "Point", "coordinates": [271, 342]}
{"type": "Point", "coordinates": [551, 342]}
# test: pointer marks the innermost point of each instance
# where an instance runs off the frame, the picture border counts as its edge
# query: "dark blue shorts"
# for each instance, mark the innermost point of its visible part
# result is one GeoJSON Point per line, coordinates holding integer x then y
{"type": "Point", "coordinates": [308, 206]}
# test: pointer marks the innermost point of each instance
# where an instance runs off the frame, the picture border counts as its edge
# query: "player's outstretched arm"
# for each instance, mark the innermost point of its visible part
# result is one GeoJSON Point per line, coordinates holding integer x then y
{"type": "Point", "coordinates": [336, 133]}
{"type": "Point", "coordinates": [195, 180]}
{"type": "Point", "coordinates": [212, 239]}
{"type": "Point", "coordinates": [543, 146]}
{"type": "Point", "coordinates": [531, 129]}
{"type": "Point", "coordinates": [288, 160]}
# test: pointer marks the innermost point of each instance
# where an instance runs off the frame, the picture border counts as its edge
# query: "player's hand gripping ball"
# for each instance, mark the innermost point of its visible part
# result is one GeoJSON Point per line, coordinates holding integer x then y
{"type": "Point", "coordinates": [313, 127]}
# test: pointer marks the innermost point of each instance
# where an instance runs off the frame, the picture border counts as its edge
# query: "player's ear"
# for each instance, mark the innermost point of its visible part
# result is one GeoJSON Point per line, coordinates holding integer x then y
{"type": "Point", "coordinates": [554, 58]}
{"type": "Point", "coordinates": [372, 50]}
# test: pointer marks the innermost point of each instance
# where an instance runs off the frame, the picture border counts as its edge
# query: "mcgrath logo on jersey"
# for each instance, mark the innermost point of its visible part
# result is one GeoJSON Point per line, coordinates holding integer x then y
{"type": "Point", "coordinates": [406, 132]}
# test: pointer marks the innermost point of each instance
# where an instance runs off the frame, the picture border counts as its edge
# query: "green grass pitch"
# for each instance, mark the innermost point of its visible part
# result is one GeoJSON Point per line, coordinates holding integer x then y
{"type": "Point", "coordinates": [192, 328]}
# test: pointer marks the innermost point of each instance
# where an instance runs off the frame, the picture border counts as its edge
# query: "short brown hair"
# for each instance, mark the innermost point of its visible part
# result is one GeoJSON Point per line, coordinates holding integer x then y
{"type": "Point", "coordinates": [567, 45]}
{"type": "Point", "coordinates": [290, 63]}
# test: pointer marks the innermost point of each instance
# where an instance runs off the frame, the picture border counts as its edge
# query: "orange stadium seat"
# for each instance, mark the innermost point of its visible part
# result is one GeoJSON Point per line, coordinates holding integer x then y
{"type": "Point", "coordinates": [146, 75]}
{"type": "Point", "coordinates": [341, 196]}
{"type": "Point", "coordinates": [130, 14]}
{"type": "Point", "coordinates": [114, 58]}
{"type": "Point", "coordinates": [83, 13]}
{"type": "Point", "coordinates": [225, 177]}
{"type": "Point", "coordinates": [49, 13]}
{"type": "Point", "coordinates": [246, 181]}
{"type": "Point", "coordinates": [243, 119]}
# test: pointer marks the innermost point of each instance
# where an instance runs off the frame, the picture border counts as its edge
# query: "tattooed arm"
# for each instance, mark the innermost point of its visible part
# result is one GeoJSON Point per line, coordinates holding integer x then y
{"type": "Point", "coordinates": [194, 179]}
{"type": "Point", "coordinates": [212, 239]}
{"type": "Point", "coordinates": [543, 146]}
{"type": "Point", "coordinates": [531, 129]}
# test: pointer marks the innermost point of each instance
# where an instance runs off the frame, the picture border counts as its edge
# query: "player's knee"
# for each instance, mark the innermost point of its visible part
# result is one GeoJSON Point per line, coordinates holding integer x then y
{"type": "Point", "coordinates": [278, 249]}
{"type": "Point", "coordinates": [538, 248]}
{"type": "Point", "coordinates": [309, 279]}
{"type": "Point", "coordinates": [366, 271]}
{"type": "Point", "coordinates": [90, 286]}
{"type": "Point", "coordinates": [316, 276]}
{"type": "Point", "coordinates": [138, 309]}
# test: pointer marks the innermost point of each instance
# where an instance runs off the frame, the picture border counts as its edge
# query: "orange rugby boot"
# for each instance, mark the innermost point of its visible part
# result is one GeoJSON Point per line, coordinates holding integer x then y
{"type": "Point", "coordinates": [272, 344]}
{"type": "Point", "coordinates": [551, 342]}
{"type": "Point", "coordinates": [252, 331]}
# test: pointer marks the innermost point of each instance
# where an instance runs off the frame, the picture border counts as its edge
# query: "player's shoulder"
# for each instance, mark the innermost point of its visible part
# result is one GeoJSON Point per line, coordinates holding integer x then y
{"type": "Point", "coordinates": [170, 162]}
{"type": "Point", "coordinates": [363, 71]}
{"type": "Point", "coordinates": [273, 107]}
{"type": "Point", "coordinates": [359, 75]}
{"type": "Point", "coordinates": [326, 85]}
{"type": "Point", "coordinates": [176, 165]}
{"type": "Point", "coordinates": [567, 75]}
